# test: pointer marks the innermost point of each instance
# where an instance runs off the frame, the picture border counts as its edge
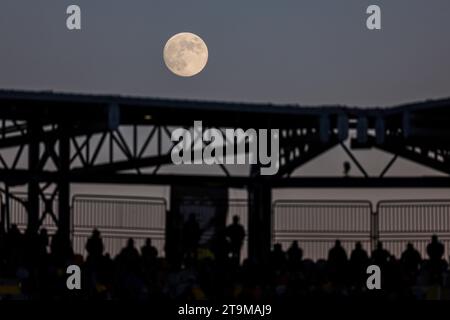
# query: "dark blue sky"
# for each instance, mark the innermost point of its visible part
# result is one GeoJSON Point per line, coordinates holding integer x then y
{"type": "Point", "coordinates": [290, 51]}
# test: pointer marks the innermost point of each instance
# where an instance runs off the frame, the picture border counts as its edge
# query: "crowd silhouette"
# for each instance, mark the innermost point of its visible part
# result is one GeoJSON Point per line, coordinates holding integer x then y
{"type": "Point", "coordinates": [37, 264]}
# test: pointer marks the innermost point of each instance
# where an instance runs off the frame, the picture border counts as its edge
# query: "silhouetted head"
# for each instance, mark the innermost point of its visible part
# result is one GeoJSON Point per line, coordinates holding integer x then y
{"type": "Point", "coordinates": [434, 238]}
{"type": "Point", "coordinates": [347, 168]}
{"type": "Point", "coordinates": [379, 245]}
{"type": "Point", "coordinates": [235, 219]}
{"type": "Point", "coordinates": [130, 243]}
{"type": "Point", "coordinates": [96, 233]}
{"type": "Point", "coordinates": [337, 243]}
{"type": "Point", "coordinates": [295, 244]}
{"type": "Point", "coordinates": [409, 246]}
{"type": "Point", "coordinates": [148, 241]}
{"type": "Point", "coordinates": [358, 245]}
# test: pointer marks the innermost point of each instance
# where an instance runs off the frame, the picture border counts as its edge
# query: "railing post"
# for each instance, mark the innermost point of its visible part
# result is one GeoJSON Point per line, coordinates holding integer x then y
{"type": "Point", "coordinates": [374, 228]}
{"type": "Point", "coordinates": [64, 183]}
{"type": "Point", "coordinates": [260, 222]}
{"type": "Point", "coordinates": [33, 184]}
{"type": "Point", "coordinates": [3, 218]}
{"type": "Point", "coordinates": [7, 208]}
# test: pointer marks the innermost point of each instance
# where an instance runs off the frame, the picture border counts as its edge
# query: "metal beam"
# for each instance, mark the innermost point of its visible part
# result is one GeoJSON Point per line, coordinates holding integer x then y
{"type": "Point", "coordinates": [22, 176]}
{"type": "Point", "coordinates": [33, 176]}
{"type": "Point", "coordinates": [64, 184]}
{"type": "Point", "coordinates": [126, 164]}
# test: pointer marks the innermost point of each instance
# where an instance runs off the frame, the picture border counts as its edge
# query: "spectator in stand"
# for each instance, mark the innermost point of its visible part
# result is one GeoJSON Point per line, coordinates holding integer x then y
{"type": "Point", "coordinates": [61, 249]}
{"type": "Point", "coordinates": [149, 252]}
{"type": "Point", "coordinates": [380, 256]}
{"type": "Point", "coordinates": [129, 255]}
{"type": "Point", "coordinates": [435, 249]}
{"type": "Point", "coordinates": [359, 260]}
{"type": "Point", "coordinates": [411, 259]}
{"type": "Point", "coordinates": [337, 254]}
{"type": "Point", "coordinates": [337, 264]}
{"type": "Point", "coordinates": [128, 276]}
{"type": "Point", "coordinates": [94, 245]}
{"type": "Point", "coordinates": [436, 265]}
{"type": "Point", "coordinates": [235, 235]}
{"type": "Point", "coordinates": [294, 255]}
{"type": "Point", "coordinates": [277, 257]}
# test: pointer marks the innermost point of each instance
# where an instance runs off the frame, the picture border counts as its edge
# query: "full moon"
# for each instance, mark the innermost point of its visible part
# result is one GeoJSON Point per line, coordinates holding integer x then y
{"type": "Point", "coordinates": [185, 54]}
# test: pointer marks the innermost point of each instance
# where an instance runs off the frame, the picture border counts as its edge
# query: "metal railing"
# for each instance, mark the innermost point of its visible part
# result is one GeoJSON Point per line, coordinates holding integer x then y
{"type": "Point", "coordinates": [316, 225]}
{"type": "Point", "coordinates": [118, 219]}
{"type": "Point", "coordinates": [414, 221]}
{"type": "Point", "coordinates": [17, 206]}
{"type": "Point", "coordinates": [234, 207]}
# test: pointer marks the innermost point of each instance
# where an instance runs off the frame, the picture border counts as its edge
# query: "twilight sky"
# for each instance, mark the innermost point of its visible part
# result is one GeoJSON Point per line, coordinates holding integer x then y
{"type": "Point", "coordinates": [290, 51]}
{"type": "Point", "coordinates": [308, 52]}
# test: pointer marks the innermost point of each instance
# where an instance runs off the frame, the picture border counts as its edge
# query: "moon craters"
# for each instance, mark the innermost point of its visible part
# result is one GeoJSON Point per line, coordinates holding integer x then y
{"type": "Point", "coordinates": [185, 54]}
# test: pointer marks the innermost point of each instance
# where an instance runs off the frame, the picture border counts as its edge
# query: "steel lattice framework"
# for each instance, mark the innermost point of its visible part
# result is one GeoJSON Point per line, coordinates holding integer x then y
{"type": "Point", "coordinates": [49, 140]}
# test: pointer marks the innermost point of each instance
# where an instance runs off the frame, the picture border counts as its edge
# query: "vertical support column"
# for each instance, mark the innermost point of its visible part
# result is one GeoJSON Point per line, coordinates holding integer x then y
{"type": "Point", "coordinates": [375, 228]}
{"type": "Point", "coordinates": [64, 183]}
{"type": "Point", "coordinates": [259, 222]}
{"type": "Point", "coordinates": [6, 212]}
{"type": "Point", "coordinates": [33, 184]}
{"type": "Point", "coordinates": [3, 218]}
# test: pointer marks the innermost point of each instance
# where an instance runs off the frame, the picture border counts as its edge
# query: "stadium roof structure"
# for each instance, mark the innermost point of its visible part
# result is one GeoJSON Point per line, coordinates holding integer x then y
{"type": "Point", "coordinates": [53, 139]}
{"type": "Point", "coordinates": [417, 131]}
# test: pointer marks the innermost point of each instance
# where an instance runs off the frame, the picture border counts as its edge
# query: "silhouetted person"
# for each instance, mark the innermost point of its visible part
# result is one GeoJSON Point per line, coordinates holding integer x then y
{"type": "Point", "coordinates": [337, 254]}
{"type": "Point", "coordinates": [337, 263]}
{"type": "Point", "coordinates": [294, 254]}
{"type": "Point", "coordinates": [129, 256]}
{"type": "Point", "coordinates": [359, 256]}
{"type": "Point", "coordinates": [359, 260]}
{"type": "Point", "coordinates": [235, 234]}
{"type": "Point", "coordinates": [61, 248]}
{"type": "Point", "coordinates": [191, 236]}
{"type": "Point", "coordinates": [149, 252]}
{"type": "Point", "coordinates": [347, 168]}
{"type": "Point", "coordinates": [436, 265]}
{"type": "Point", "coordinates": [277, 257]}
{"type": "Point", "coordinates": [393, 277]}
{"type": "Point", "coordinates": [435, 249]}
{"type": "Point", "coordinates": [411, 259]}
{"type": "Point", "coordinates": [94, 245]}
{"type": "Point", "coordinates": [380, 256]}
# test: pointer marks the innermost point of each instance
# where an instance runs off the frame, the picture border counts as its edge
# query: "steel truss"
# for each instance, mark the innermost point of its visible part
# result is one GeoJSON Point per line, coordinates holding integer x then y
{"type": "Point", "coordinates": [48, 141]}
